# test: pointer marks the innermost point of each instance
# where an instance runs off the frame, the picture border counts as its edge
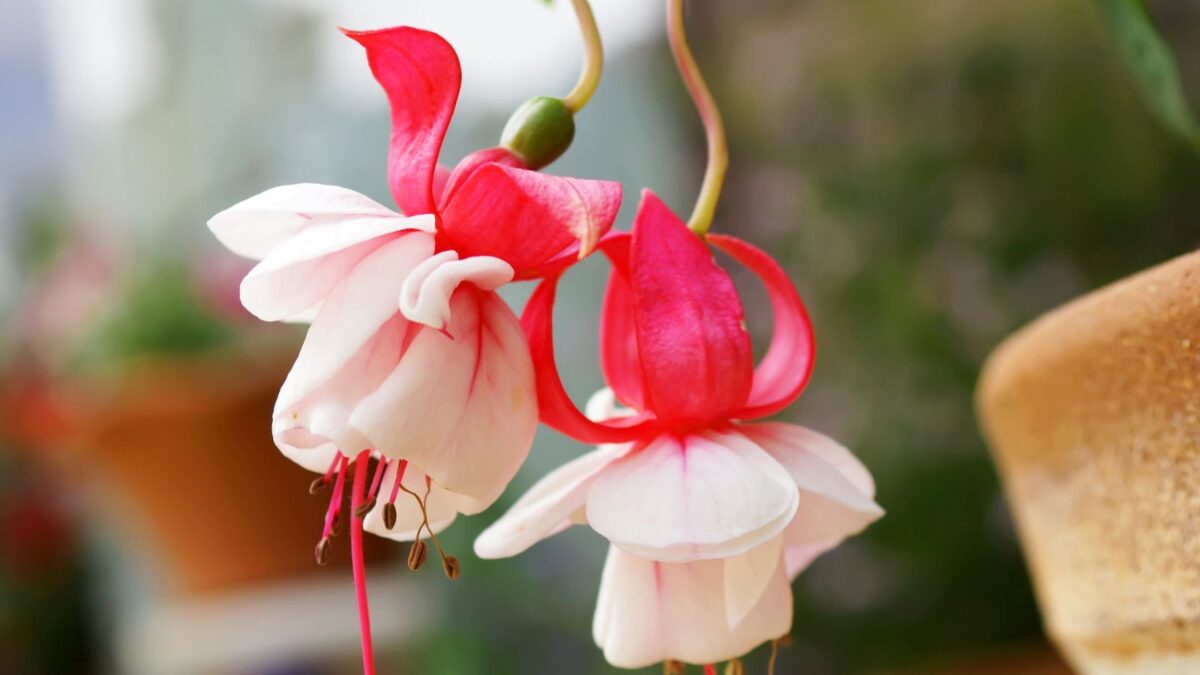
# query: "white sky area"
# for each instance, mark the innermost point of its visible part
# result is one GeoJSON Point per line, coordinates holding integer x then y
{"type": "Point", "coordinates": [106, 56]}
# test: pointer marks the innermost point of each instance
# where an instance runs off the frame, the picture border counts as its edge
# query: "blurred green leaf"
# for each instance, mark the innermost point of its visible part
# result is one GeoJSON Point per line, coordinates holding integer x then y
{"type": "Point", "coordinates": [1150, 59]}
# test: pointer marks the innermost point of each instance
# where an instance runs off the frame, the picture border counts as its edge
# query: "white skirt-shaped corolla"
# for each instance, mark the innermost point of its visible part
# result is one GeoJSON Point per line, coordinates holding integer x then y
{"type": "Point", "coordinates": [709, 517]}
{"type": "Point", "coordinates": [411, 354]}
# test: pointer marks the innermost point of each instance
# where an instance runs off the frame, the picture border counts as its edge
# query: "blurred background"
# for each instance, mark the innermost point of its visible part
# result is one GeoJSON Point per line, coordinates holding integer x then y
{"type": "Point", "coordinates": [933, 174]}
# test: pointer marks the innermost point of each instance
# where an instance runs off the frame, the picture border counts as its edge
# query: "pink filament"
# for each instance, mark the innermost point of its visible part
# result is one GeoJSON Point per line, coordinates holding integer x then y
{"type": "Point", "coordinates": [396, 483]}
{"type": "Point", "coordinates": [379, 469]}
{"type": "Point", "coordinates": [710, 669]}
{"type": "Point", "coordinates": [335, 501]}
{"type": "Point", "coordinates": [356, 560]}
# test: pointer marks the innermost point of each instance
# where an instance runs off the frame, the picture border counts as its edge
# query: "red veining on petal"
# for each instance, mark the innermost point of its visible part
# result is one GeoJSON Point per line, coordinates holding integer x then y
{"type": "Point", "coordinates": [356, 559]}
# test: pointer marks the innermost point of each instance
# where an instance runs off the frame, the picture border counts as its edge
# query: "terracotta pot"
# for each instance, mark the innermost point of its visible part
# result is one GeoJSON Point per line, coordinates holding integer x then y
{"type": "Point", "coordinates": [1093, 415]}
{"type": "Point", "coordinates": [180, 451]}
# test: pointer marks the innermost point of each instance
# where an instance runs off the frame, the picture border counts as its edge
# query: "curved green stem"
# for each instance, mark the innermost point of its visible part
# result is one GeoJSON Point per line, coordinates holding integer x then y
{"type": "Point", "coordinates": [710, 115]}
{"type": "Point", "coordinates": [593, 58]}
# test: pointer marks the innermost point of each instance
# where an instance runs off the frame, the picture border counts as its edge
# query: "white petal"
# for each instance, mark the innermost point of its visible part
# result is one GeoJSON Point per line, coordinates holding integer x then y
{"type": "Point", "coordinates": [464, 407]}
{"type": "Point", "coordinates": [547, 507]}
{"type": "Point", "coordinates": [708, 496]}
{"type": "Point", "coordinates": [603, 406]}
{"type": "Point", "coordinates": [441, 505]}
{"type": "Point", "coordinates": [253, 227]}
{"type": "Point", "coordinates": [649, 612]}
{"type": "Point", "coordinates": [311, 428]}
{"type": "Point", "coordinates": [302, 270]}
{"type": "Point", "coordinates": [425, 297]}
{"type": "Point", "coordinates": [351, 315]}
{"type": "Point", "coordinates": [746, 578]}
{"type": "Point", "coordinates": [836, 490]}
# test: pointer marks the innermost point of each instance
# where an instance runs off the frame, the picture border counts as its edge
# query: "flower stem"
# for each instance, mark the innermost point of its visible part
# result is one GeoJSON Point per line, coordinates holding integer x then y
{"type": "Point", "coordinates": [356, 559]}
{"type": "Point", "coordinates": [593, 58]}
{"type": "Point", "coordinates": [710, 115]}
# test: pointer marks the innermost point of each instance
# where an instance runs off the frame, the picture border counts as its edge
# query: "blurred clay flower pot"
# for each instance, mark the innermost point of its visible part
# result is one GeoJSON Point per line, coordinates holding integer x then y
{"type": "Point", "coordinates": [179, 450]}
{"type": "Point", "coordinates": [1093, 415]}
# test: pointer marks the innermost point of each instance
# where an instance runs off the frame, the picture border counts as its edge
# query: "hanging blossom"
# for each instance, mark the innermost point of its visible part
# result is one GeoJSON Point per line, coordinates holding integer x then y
{"type": "Point", "coordinates": [411, 357]}
{"type": "Point", "coordinates": [709, 516]}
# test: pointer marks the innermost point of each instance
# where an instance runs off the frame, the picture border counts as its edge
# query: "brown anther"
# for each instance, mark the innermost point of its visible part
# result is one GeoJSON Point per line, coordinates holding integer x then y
{"type": "Point", "coordinates": [418, 553]}
{"type": "Point", "coordinates": [450, 567]}
{"type": "Point", "coordinates": [389, 515]}
{"type": "Point", "coordinates": [335, 527]}
{"type": "Point", "coordinates": [735, 667]}
{"type": "Point", "coordinates": [322, 552]}
{"type": "Point", "coordinates": [318, 485]}
{"type": "Point", "coordinates": [674, 668]}
{"type": "Point", "coordinates": [364, 508]}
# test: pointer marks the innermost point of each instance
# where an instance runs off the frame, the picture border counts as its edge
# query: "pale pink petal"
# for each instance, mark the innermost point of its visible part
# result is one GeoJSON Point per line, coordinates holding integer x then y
{"type": "Point", "coordinates": [706, 496]}
{"type": "Point", "coordinates": [302, 270]}
{"type": "Point", "coordinates": [461, 407]}
{"type": "Point", "coordinates": [441, 505]}
{"type": "Point", "coordinates": [836, 491]}
{"type": "Point", "coordinates": [547, 507]}
{"type": "Point", "coordinates": [312, 428]}
{"type": "Point", "coordinates": [747, 577]}
{"type": "Point", "coordinates": [649, 612]}
{"type": "Point", "coordinates": [354, 311]}
{"type": "Point", "coordinates": [253, 227]}
{"type": "Point", "coordinates": [425, 297]}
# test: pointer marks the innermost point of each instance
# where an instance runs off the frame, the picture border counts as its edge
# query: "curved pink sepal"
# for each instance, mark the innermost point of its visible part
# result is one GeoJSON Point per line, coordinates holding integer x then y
{"type": "Point", "coordinates": [691, 335]}
{"type": "Point", "coordinates": [555, 407]}
{"type": "Point", "coordinates": [785, 370]}
{"type": "Point", "coordinates": [619, 358]}
{"type": "Point", "coordinates": [524, 217]}
{"type": "Point", "coordinates": [421, 75]}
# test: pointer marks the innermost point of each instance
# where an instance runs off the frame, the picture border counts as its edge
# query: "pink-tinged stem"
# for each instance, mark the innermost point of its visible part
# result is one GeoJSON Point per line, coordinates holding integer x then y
{"type": "Point", "coordinates": [710, 115]}
{"type": "Point", "coordinates": [356, 559]}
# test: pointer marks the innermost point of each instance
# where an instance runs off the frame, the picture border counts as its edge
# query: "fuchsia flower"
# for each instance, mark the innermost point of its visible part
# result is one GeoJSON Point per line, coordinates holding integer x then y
{"type": "Point", "coordinates": [709, 516]}
{"type": "Point", "coordinates": [411, 354]}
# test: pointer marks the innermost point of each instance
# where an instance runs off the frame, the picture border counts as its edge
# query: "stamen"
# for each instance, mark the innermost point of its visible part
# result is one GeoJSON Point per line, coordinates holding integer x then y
{"type": "Point", "coordinates": [450, 564]}
{"type": "Point", "coordinates": [417, 554]}
{"type": "Point", "coordinates": [735, 667]}
{"type": "Point", "coordinates": [322, 552]}
{"type": "Point", "coordinates": [710, 669]}
{"type": "Point", "coordinates": [673, 667]}
{"type": "Point", "coordinates": [369, 503]}
{"type": "Point", "coordinates": [389, 509]}
{"type": "Point", "coordinates": [335, 502]}
{"type": "Point", "coordinates": [775, 652]}
{"type": "Point", "coordinates": [356, 559]}
{"type": "Point", "coordinates": [319, 484]}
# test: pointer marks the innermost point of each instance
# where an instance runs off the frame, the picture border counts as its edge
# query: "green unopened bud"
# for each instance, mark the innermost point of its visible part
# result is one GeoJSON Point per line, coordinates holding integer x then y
{"type": "Point", "coordinates": [540, 131]}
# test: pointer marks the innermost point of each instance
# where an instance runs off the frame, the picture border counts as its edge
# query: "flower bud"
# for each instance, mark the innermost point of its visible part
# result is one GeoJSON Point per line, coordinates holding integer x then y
{"type": "Point", "coordinates": [539, 131]}
{"type": "Point", "coordinates": [417, 554]}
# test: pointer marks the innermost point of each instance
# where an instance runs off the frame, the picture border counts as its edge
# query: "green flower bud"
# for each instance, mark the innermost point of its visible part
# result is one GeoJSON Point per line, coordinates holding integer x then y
{"type": "Point", "coordinates": [540, 131]}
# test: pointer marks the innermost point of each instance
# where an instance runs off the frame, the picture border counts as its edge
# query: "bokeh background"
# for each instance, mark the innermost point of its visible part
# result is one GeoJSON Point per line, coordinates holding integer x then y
{"type": "Point", "coordinates": [933, 174]}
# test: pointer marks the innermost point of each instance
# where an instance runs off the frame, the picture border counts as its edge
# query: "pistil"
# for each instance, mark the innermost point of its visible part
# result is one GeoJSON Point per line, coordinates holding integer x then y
{"type": "Point", "coordinates": [356, 560]}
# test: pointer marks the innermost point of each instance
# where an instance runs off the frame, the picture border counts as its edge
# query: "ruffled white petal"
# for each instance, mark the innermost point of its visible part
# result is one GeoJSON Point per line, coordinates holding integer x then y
{"type": "Point", "coordinates": [350, 317]}
{"type": "Point", "coordinates": [703, 496]}
{"type": "Point", "coordinates": [425, 297]}
{"type": "Point", "coordinates": [464, 408]}
{"type": "Point", "coordinates": [442, 506]}
{"type": "Point", "coordinates": [547, 507]}
{"type": "Point", "coordinates": [303, 269]}
{"type": "Point", "coordinates": [836, 491]}
{"type": "Point", "coordinates": [253, 227]}
{"type": "Point", "coordinates": [648, 612]}
{"type": "Point", "coordinates": [747, 577]}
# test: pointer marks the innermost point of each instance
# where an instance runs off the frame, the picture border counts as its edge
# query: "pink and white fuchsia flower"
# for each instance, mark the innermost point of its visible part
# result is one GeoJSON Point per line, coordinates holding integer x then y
{"type": "Point", "coordinates": [411, 358]}
{"type": "Point", "coordinates": [709, 516]}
